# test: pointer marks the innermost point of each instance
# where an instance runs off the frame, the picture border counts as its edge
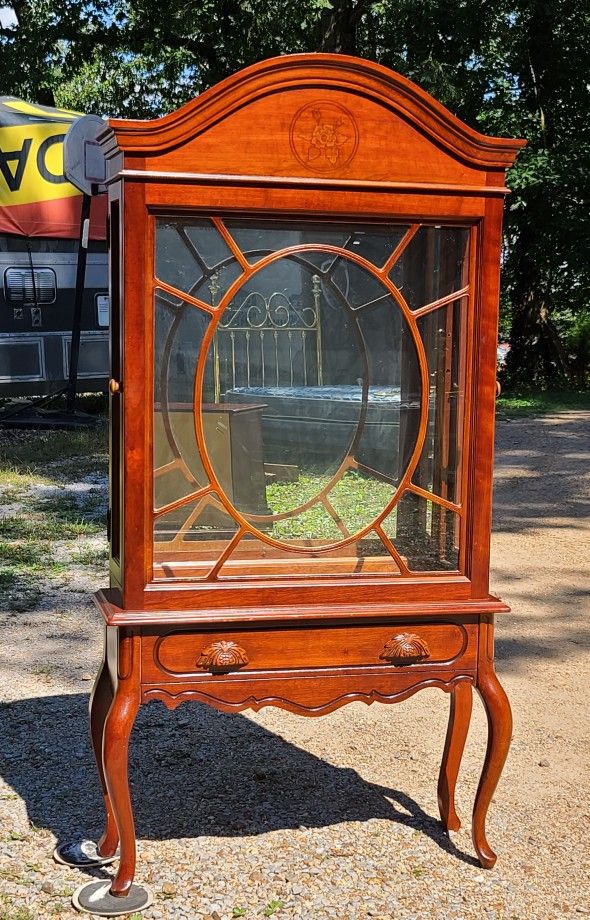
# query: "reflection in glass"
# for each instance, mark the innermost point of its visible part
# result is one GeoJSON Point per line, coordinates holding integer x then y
{"type": "Point", "coordinates": [311, 402]}
{"type": "Point", "coordinates": [435, 263]}
{"type": "Point", "coordinates": [187, 539]}
{"type": "Point", "coordinates": [259, 238]}
{"type": "Point", "coordinates": [425, 534]}
{"type": "Point", "coordinates": [192, 256]}
{"type": "Point", "coordinates": [178, 335]}
{"type": "Point", "coordinates": [440, 463]}
{"type": "Point", "coordinates": [320, 360]}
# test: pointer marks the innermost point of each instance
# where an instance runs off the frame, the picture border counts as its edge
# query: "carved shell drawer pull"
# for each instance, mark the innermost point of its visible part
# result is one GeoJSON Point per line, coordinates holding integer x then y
{"type": "Point", "coordinates": [405, 648]}
{"type": "Point", "coordinates": [221, 657]}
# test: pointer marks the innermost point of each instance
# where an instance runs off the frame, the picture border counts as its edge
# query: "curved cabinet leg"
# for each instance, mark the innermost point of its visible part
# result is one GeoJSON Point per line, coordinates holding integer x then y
{"type": "Point", "coordinates": [499, 734]}
{"type": "Point", "coordinates": [459, 719]}
{"type": "Point", "coordinates": [100, 702]}
{"type": "Point", "coordinates": [117, 730]}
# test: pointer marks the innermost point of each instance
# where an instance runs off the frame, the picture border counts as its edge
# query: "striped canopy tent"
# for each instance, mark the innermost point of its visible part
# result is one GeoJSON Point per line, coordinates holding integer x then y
{"type": "Point", "coordinates": [35, 197]}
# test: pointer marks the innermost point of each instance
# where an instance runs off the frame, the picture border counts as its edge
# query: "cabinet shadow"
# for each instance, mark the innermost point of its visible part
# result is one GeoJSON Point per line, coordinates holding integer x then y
{"type": "Point", "coordinates": [194, 771]}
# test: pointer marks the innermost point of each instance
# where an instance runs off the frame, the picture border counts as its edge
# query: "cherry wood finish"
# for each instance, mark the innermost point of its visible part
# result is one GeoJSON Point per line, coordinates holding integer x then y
{"type": "Point", "coordinates": [314, 638]}
{"type": "Point", "coordinates": [459, 719]}
{"type": "Point", "coordinates": [499, 734]}
{"type": "Point", "coordinates": [100, 703]}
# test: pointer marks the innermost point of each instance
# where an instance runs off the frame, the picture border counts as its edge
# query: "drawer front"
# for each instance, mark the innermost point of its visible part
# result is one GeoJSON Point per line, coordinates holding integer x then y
{"type": "Point", "coordinates": [176, 654]}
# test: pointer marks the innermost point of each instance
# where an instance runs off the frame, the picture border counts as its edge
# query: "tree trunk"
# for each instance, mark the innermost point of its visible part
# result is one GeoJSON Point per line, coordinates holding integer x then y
{"type": "Point", "coordinates": [337, 28]}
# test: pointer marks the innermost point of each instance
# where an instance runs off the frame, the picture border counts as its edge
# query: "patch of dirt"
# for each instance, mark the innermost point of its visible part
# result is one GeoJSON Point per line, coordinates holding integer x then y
{"type": "Point", "coordinates": [268, 806]}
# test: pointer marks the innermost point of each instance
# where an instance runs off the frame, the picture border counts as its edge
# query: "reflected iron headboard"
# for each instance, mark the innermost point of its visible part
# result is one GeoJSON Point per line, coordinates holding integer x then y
{"type": "Point", "coordinates": [268, 341]}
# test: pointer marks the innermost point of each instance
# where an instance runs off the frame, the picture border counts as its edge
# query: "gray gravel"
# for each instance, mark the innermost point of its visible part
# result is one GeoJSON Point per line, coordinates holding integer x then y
{"type": "Point", "coordinates": [332, 817]}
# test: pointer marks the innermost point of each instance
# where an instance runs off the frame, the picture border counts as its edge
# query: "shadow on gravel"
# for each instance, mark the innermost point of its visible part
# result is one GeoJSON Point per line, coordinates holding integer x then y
{"type": "Point", "coordinates": [539, 472]}
{"type": "Point", "coordinates": [194, 772]}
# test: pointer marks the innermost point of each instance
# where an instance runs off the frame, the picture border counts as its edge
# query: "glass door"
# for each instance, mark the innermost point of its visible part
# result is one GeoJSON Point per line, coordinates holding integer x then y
{"type": "Point", "coordinates": [309, 385]}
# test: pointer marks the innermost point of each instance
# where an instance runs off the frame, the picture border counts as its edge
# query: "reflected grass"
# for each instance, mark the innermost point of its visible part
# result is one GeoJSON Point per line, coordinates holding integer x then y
{"type": "Point", "coordinates": [356, 499]}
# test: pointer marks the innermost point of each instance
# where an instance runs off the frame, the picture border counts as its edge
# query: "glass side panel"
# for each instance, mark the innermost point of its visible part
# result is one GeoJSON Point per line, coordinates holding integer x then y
{"type": "Point", "coordinates": [425, 534]}
{"type": "Point", "coordinates": [439, 468]}
{"type": "Point", "coordinates": [434, 264]}
{"type": "Point", "coordinates": [297, 398]}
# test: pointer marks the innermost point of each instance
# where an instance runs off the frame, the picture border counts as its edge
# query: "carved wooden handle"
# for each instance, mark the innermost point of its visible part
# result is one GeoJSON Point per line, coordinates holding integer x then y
{"type": "Point", "coordinates": [222, 657]}
{"type": "Point", "coordinates": [405, 648]}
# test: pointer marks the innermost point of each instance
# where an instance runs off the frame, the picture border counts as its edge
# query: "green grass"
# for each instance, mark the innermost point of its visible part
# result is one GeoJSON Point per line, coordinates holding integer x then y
{"type": "Point", "coordinates": [27, 456]}
{"type": "Point", "coordinates": [73, 514]}
{"type": "Point", "coordinates": [37, 526]}
{"type": "Point", "coordinates": [44, 537]}
{"type": "Point", "coordinates": [41, 447]}
{"type": "Point", "coordinates": [271, 908]}
{"type": "Point", "coordinates": [17, 913]}
{"type": "Point", "coordinates": [522, 403]}
{"type": "Point", "coordinates": [90, 555]}
{"type": "Point", "coordinates": [356, 500]}
{"type": "Point", "coordinates": [22, 563]}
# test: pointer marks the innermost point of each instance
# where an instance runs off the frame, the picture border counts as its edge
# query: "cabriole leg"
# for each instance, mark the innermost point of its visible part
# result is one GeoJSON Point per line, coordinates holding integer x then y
{"type": "Point", "coordinates": [459, 719]}
{"type": "Point", "coordinates": [117, 731]}
{"type": "Point", "coordinates": [121, 896]}
{"type": "Point", "coordinates": [100, 703]}
{"type": "Point", "coordinates": [87, 853]}
{"type": "Point", "coordinates": [499, 734]}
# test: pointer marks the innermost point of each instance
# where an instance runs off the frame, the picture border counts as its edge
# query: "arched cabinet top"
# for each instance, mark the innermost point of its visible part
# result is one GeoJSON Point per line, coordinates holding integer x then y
{"type": "Point", "coordinates": [315, 117]}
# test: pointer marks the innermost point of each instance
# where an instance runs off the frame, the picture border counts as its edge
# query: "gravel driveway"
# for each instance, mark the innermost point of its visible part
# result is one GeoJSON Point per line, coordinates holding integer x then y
{"type": "Point", "coordinates": [270, 814]}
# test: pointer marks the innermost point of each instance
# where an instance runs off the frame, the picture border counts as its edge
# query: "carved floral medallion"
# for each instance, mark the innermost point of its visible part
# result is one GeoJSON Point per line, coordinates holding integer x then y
{"type": "Point", "coordinates": [324, 136]}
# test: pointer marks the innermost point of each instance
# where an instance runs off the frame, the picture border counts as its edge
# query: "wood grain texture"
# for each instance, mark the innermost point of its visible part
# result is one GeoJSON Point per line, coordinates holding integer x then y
{"type": "Point", "coordinates": [358, 81]}
{"type": "Point", "coordinates": [175, 655]}
{"type": "Point", "coordinates": [117, 730]}
{"type": "Point", "coordinates": [499, 717]}
{"type": "Point", "coordinates": [458, 727]}
{"type": "Point", "coordinates": [109, 604]}
{"type": "Point", "coordinates": [307, 696]}
{"type": "Point", "coordinates": [101, 699]}
{"type": "Point", "coordinates": [327, 138]}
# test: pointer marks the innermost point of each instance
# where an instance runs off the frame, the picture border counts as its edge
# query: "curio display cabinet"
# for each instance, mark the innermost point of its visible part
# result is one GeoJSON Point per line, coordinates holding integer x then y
{"type": "Point", "coordinates": [304, 271]}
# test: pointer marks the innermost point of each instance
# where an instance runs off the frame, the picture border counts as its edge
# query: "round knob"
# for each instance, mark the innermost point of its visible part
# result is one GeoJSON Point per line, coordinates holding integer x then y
{"type": "Point", "coordinates": [114, 386]}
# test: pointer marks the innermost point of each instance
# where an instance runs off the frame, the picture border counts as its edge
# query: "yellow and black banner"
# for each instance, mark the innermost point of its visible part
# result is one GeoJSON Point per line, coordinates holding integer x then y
{"type": "Point", "coordinates": [35, 197]}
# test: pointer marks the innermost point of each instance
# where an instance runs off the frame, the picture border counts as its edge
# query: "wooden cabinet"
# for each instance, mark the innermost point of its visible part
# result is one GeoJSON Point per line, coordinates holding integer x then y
{"type": "Point", "coordinates": [304, 279]}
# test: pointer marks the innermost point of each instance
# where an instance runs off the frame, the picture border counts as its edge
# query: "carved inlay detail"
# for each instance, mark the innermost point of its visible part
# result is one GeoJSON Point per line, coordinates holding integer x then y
{"type": "Point", "coordinates": [222, 656]}
{"type": "Point", "coordinates": [405, 648]}
{"type": "Point", "coordinates": [324, 136]}
{"type": "Point", "coordinates": [172, 700]}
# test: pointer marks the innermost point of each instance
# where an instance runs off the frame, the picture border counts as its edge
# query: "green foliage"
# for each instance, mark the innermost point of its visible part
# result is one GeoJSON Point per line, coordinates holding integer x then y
{"type": "Point", "coordinates": [515, 68]}
{"type": "Point", "coordinates": [48, 530]}
{"type": "Point", "coordinates": [357, 501]}
{"type": "Point", "coordinates": [541, 402]}
{"type": "Point", "coordinates": [18, 913]}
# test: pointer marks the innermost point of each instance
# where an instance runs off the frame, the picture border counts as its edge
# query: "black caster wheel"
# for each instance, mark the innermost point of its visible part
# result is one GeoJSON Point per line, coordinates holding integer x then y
{"type": "Point", "coordinates": [95, 898]}
{"type": "Point", "coordinates": [82, 854]}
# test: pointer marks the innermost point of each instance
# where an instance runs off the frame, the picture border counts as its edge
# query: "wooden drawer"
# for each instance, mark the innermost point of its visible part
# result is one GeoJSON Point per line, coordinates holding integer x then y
{"type": "Point", "coordinates": [173, 655]}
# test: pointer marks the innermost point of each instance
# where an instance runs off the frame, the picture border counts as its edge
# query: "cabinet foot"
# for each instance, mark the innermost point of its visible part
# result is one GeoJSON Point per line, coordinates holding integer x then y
{"type": "Point", "coordinates": [117, 730]}
{"type": "Point", "coordinates": [95, 898]}
{"type": "Point", "coordinates": [459, 719]}
{"type": "Point", "coordinates": [82, 854]}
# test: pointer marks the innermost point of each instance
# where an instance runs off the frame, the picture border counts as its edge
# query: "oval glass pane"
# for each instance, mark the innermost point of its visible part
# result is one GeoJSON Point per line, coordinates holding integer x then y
{"type": "Point", "coordinates": [316, 398]}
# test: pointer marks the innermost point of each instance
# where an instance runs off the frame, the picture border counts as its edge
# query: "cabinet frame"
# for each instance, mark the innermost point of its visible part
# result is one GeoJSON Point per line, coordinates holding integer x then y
{"type": "Point", "coordinates": [306, 643]}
